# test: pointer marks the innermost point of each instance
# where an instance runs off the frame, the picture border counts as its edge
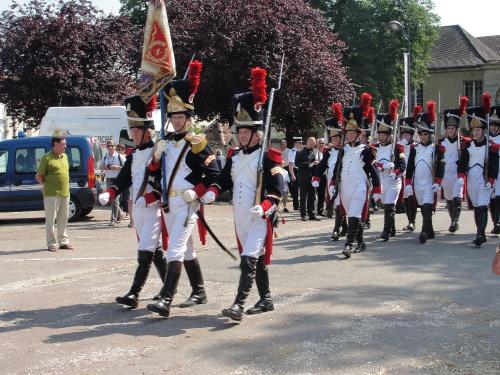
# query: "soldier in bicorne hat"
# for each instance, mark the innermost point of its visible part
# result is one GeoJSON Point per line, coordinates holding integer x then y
{"type": "Point", "coordinates": [407, 127]}
{"type": "Point", "coordinates": [253, 216]}
{"type": "Point", "coordinates": [448, 153]}
{"type": "Point", "coordinates": [495, 139]}
{"type": "Point", "coordinates": [472, 165]}
{"type": "Point", "coordinates": [354, 171]}
{"type": "Point", "coordinates": [421, 180]}
{"type": "Point", "coordinates": [391, 163]}
{"type": "Point", "coordinates": [143, 189]}
{"type": "Point", "coordinates": [334, 127]}
{"type": "Point", "coordinates": [190, 167]}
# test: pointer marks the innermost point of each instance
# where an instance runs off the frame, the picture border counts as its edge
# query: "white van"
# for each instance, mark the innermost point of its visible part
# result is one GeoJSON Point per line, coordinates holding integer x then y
{"type": "Point", "coordinates": [101, 122]}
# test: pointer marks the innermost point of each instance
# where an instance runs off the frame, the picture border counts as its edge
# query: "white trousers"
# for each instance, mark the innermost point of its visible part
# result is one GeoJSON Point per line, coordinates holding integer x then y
{"type": "Point", "coordinates": [147, 226]}
{"type": "Point", "coordinates": [478, 194]}
{"type": "Point", "coordinates": [353, 196]}
{"type": "Point", "coordinates": [450, 188]}
{"type": "Point", "coordinates": [180, 221]}
{"type": "Point", "coordinates": [251, 232]}
{"type": "Point", "coordinates": [390, 188]}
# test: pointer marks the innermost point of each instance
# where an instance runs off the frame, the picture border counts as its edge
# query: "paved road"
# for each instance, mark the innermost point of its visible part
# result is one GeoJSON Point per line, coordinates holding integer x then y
{"type": "Point", "coordinates": [399, 308]}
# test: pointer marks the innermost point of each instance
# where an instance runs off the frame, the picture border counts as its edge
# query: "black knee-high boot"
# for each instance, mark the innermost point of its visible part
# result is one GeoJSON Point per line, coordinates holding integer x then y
{"type": "Point", "coordinates": [481, 222]}
{"type": "Point", "coordinates": [338, 223]}
{"type": "Point", "coordinates": [265, 302]}
{"type": "Point", "coordinates": [450, 207]}
{"type": "Point", "coordinates": [352, 228]}
{"type": "Point", "coordinates": [168, 291]}
{"type": "Point", "coordinates": [496, 217]}
{"type": "Point", "coordinates": [198, 295]}
{"type": "Point", "coordinates": [457, 208]}
{"type": "Point", "coordinates": [144, 260]}
{"type": "Point", "coordinates": [388, 221]}
{"type": "Point", "coordinates": [411, 214]}
{"type": "Point", "coordinates": [248, 267]}
{"type": "Point", "coordinates": [161, 266]}
{"type": "Point", "coordinates": [361, 246]}
{"type": "Point", "coordinates": [427, 228]}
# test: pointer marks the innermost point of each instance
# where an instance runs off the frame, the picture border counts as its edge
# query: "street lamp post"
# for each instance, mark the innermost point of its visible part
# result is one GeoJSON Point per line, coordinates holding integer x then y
{"type": "Point", "coordinates": [398, 26]}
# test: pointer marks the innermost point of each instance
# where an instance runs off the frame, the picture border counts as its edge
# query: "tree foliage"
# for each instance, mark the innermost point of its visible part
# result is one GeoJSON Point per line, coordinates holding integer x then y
{"type": "Point", "coordinates": [67, 54]}
{"type": "Point", "coordinates": [374, 53]}
{"type": "Point", "coordinates": [230, 37]}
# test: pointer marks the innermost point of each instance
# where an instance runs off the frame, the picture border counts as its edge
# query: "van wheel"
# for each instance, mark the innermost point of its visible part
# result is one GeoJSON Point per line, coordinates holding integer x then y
{"type": "Point", "coordinates": [86, 211]}
{"type": "Point", "coordinates": [75, 210]}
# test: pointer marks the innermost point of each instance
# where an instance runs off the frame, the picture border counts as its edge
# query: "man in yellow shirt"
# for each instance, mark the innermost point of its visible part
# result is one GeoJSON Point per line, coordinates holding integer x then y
{"type": "Point", "coordinates": [53, 174]}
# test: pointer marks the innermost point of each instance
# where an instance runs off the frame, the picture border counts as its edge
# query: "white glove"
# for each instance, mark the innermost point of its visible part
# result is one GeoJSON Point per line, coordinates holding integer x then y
{"type": "Point", "coordinates": [331, 190]}
{"type": "Point", "coordinates": [460, 181]}
{"type": "Point", "coordinates": [389, 165]}
{"type": "Point", "coordinates": [409, 190]}
{"type": "Point", "coordinates": [256, 212]}
{"type": "Point", "coordinates": [377, 197]}
{"type": "Point", "coordinates": [488, 185]}
{"type": "Point", "coordinates": [393, 176]}
{"type": "Point", "coordinates": [189, 195]}
{"type": "Point", "coordinates": [208, 197]}
{"type": "Point", "coordinates": [160, 148]}
{"type": "Point", "coordinates": [140, 202]}
{"type": "Point", "coordinates": [435, 188]}
{"type": "Point", "coordinates": [104, 198]}
{"type": "Point", "coordinates": [315, 184]}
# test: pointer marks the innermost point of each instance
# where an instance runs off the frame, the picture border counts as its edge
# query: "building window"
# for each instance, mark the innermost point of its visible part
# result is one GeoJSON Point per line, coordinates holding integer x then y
{"type": "Point", "coordinates": [473, 90]}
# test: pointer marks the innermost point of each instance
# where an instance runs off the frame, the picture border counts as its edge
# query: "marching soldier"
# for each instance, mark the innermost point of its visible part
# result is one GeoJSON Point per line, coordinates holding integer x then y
{"type": "Point", "coordinates": [253, 222]}
{"type": "Point", "coordinates": [495, 139]}
{"type": "Point", "coordinates": [143, 188]}
{"type": "Point", "coordinates": [190, 168]}
{"type": "Point", "coordinates": [420, 179]}
{"type": "Point", "coordinates": [353, 171]}
{"type": "Point", "coordinates": [391, 164]}
{"type": "Point", "coordinates": [327, 164]}
{"type": "Point", "coordinates": [407, 130]}
{"type": "Point", "coordinates": [447, 157]}
{"type": "Point", "coordinates": [475, 158]}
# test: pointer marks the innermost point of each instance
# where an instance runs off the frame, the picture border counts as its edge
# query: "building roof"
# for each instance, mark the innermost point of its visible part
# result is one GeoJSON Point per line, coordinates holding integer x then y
{"type": "Point", "coordinates": [456, 48]}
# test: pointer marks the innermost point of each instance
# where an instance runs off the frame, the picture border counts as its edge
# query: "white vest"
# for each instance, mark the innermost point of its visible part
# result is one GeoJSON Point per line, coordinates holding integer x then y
{"type": "Point", "coordinates": [173, 152]}
{"type": "Point", "coordinates": [332, 160]}
{"type": "Point", "coordinates": [244, 176]}
{"type": "Point", "coordinates": [476, 155]}
{"type": "Point", "coordinates": [140, 160]}
{"type": "Point", "coordinates": [352, 163]}
{"type": "Point", "coordinates": [450, 156]}
{"type": "Point", "coordinates": [384, 153]}
{"type": "Point", "coordinates": [424, 154]}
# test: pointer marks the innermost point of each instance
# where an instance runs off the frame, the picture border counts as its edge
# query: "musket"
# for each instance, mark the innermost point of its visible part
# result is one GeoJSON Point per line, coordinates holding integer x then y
{"type": "Point", "coordinates": [373, 130]}
{"type": "Point", "coordinates": [260, 166]}
{"type": "Point", "coordinates": [486, 103]}
{"type": "Point", "coordinates": [162, 134]}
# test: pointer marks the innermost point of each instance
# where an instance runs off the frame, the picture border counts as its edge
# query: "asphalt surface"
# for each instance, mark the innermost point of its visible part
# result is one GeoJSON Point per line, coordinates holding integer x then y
{"type": "Point", "coordinates": [399, 308]}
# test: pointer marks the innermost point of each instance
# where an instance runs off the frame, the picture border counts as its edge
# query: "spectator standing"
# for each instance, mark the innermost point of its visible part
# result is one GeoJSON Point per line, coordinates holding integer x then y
{"type": "Point", "coordinates": [125, 195]}
{"type": "Point", "coordinates": [53, 174]}
{"type": "Point", "coordinates": [321, 191]}
{"type": "Point", "coordinates": [306, 160]}
{"type": "Point", "coordinates": [292, 170]}
{"type": "Point", "coordinates": [111, 164]}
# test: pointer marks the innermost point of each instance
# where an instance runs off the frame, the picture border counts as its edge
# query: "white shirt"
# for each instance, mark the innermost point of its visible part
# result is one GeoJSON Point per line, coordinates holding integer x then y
{"type": "Point", "coordinates": [115, 159]}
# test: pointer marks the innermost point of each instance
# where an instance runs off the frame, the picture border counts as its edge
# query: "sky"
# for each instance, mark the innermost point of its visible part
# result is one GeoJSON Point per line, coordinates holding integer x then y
{"type": "Point", "coordinates": [478, 17]}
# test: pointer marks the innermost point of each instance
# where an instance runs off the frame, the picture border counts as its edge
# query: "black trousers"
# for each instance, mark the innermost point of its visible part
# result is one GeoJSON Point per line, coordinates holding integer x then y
{"type": "Point", "coordinates": [294, 189]}
{"type": "Point", "coordinates": [307, 193]}
{"type": "Point", "coordinates": [321, 194]}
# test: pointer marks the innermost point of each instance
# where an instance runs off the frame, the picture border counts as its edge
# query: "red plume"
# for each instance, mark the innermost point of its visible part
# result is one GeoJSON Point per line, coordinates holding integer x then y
{"type": "Point", "coordinates": [337, 110]}
{"type": "Point", "coordinates": [366, 101]}
{"type": "Point", "coordinates": [370, 116]}
{"type": "Point", "coordinates": [431, 111]}
{"type": "Point", "coordinates": [416, 111]}
{"type": "Point", "coordinates": [486, 100]}
{"type": "Point", "coordinates": [194, 75]}
{"type": "Point", "coordinates": [463, 105]}
{"type": "Point", "coordinates": [151, 106]}
{"type": "Point", "coordinates": [393, 109]}
{"type": "Point", "coordinates": [259, 85]}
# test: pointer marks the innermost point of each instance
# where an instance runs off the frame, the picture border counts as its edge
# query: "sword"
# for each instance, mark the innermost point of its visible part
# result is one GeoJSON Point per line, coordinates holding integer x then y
{"type": "Point", "coordinates": [201, 217]}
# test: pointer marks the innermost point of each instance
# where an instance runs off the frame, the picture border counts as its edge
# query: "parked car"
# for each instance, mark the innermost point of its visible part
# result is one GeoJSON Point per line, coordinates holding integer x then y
{"type": "Point", "coordinates": [19, 160]}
